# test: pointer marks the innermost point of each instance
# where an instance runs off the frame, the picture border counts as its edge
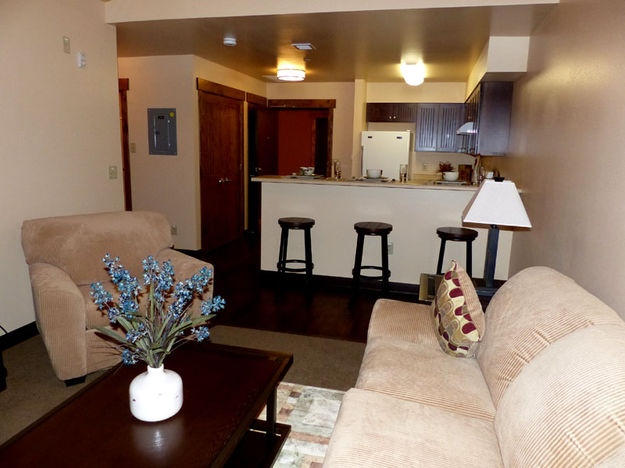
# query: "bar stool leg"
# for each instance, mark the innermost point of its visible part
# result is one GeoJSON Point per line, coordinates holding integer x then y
{"type": "Point", "coordinates": [385, 270]}
{"type": "Point", "coordinates": [469, 259]}
{"type": "Point", "coordinates": [358, 261]}
{"type": "Point", "coordinates": [441, 254]}
{"type": "Point", "coordinates": [284, 240]}
{"type": "Point", "coordinates": [308, 247]}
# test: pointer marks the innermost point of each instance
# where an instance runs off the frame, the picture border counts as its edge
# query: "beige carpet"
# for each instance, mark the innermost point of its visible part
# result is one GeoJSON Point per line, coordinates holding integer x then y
{"type": "Point", "coordinates": [33, 389]}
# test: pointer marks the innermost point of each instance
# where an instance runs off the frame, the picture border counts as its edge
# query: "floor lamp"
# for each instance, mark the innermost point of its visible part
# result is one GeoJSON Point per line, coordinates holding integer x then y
{"type": "Point", "coordinates": [495, 204]}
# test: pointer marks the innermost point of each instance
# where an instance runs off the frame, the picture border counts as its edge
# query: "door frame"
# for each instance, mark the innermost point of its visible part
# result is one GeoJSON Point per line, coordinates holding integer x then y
{"type": "Point", "coordinates": [311, 104]}
{"type": "Point", "coordinates": [123, 85]}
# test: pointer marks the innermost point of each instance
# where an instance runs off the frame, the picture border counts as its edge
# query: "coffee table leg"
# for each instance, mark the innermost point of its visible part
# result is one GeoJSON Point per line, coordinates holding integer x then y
{"type": "Point", "coordinates": [271, 414]}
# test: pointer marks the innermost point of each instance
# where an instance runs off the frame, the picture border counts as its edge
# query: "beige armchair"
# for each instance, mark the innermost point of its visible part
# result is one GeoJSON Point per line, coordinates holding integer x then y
{"type": "Point", "coordinates": [64, 255]}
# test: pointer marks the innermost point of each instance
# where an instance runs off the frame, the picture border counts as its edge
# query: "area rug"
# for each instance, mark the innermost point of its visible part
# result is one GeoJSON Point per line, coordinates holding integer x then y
{"type": "Point", "coordinates": [311, 412]}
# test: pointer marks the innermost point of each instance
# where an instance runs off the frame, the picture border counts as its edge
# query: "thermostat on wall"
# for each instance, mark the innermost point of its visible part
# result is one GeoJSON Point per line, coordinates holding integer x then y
{"type": "Point", "coordinates": [162, 131]}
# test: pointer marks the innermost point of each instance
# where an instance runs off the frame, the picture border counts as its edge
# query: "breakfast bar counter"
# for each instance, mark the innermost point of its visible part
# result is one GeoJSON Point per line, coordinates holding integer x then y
{"type": "Point", "coordinates": [414, 210]}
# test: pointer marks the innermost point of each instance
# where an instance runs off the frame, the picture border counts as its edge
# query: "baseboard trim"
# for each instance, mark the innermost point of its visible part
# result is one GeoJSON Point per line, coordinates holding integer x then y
{"type": "Point", "coordinates": [18, 335]}
{"type": "Point", "coordinates": [340, 282]}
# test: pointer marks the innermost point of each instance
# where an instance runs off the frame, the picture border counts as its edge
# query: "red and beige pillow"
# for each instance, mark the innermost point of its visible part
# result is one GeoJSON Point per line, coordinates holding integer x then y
{"type": "Point", "coordinates": [457, 312]}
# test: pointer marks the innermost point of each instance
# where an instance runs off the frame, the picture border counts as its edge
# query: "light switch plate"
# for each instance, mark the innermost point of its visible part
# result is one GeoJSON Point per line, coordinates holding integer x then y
{"type": "Point", "coordinates": [112, 172]}
{"type": "Point", "coordinates": [66, 46]}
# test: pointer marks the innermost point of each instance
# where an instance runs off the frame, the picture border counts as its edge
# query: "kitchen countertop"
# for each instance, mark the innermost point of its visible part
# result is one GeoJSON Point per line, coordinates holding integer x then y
{"type": "Point", "coordinates": [362, 183]}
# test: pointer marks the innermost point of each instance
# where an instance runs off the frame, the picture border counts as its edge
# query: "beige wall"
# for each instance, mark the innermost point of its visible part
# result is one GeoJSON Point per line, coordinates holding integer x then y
{"type": "Point", "coordinates": [567, 147]}
{"type": "Point", "coordinates": [171, 184]}
{"type": "Point", "coordinates": [343, 92]}
{"type": "Point", "coordinates": [164, 183]}
{"type": "Point", "coordinates": [427, 92]}
{"type": "Point", "coordinates": [59, 127]}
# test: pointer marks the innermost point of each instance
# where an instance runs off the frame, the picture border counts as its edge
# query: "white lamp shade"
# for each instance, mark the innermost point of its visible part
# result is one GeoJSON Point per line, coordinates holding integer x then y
{"type": "Point", "coordinates": [497, 203]}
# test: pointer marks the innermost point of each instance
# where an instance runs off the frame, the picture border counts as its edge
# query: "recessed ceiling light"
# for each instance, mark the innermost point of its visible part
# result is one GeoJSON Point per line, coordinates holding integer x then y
{"type": "Point", "coordinates": [303, 46]}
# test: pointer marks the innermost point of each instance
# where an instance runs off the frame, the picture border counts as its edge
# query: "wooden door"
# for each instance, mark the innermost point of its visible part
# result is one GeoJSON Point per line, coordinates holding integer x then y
{"type": "Point", "coordinates": [221, 145]}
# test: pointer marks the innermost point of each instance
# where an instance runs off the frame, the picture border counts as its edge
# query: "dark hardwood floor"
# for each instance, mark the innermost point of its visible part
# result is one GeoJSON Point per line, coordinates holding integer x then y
{"type": "Point", "coordinates": [254, 299]}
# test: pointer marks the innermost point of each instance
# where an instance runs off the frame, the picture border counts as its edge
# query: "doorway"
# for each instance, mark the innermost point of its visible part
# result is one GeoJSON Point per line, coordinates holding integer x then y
{"type": "Point", "coordinates": [304, 134]}
{"type": "Point", "coordinates": [221, 163]}
{"type": "Point", "coordinates": [262, 150]}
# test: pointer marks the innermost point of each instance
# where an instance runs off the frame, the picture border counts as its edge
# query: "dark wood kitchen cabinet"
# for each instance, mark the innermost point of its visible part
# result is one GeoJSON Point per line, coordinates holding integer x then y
{"type": "Point", "coordinates": [489, 107]}
{"type": "Point", "coordinates": [391, 112]}
{"type": "Point", "coordinates": [436, 126]}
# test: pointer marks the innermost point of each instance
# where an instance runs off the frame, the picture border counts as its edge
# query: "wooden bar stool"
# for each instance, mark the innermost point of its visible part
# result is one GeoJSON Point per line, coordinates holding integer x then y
{"type": "Point", "coordinates": [286, 224]}
{"type": "Point", "coordinates": [372, 228]}
{"type": "Point", "coordinates": [456, 234]}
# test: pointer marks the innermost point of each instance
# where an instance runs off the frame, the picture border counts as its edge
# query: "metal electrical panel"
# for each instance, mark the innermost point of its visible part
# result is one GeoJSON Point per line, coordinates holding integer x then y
{"type": "Point", "coordinates": [162, 131]}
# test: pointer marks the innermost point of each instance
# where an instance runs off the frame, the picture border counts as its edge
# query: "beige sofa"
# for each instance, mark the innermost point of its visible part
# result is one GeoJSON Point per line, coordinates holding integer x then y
{"type": "Point", "coordinates": [546, 389]}
{"type": "Point", "coordinates": [64, 256]}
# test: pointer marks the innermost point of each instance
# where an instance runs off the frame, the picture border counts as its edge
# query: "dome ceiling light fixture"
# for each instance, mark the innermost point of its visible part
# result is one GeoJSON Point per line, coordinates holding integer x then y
{"type": "Point", "coordinates": [413, 73]}
{"type": "Point", "coordinates": [291, 74]}
{"type": "Point", "coordinates": [230, 40]}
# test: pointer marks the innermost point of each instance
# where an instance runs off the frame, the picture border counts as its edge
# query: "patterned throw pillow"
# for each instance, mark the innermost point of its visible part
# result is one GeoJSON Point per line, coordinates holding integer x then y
{"type": "Point", "coordinates": [457, 312]}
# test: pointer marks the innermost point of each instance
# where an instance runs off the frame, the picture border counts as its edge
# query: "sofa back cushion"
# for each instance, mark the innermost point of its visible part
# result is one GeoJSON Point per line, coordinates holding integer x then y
{"type": "Point", "coordinates": [532, 310]}
{"type": "Point", "coordinates": [76, 244]}
{"type": "Point", "coordinates": [567, 407]}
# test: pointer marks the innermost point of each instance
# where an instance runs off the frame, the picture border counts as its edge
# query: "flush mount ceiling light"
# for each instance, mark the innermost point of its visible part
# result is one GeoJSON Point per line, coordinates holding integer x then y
{"type": "Point", "coordinates": [230, 40]}
{"type": "Point", "coordinates": [303, 46]}
{"type": "Point", "coordinates": [291, 74]}
{"type": "Point", "coordinates": [413, 73]}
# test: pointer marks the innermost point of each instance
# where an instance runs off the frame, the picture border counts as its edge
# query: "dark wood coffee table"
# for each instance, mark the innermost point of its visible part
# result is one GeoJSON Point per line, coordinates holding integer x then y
{"type": "Point", "coordinates": [225, 388]}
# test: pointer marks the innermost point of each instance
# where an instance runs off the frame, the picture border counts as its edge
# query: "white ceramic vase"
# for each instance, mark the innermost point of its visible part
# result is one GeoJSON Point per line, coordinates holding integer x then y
{"type": "Point", "coordinates": [155, 395]}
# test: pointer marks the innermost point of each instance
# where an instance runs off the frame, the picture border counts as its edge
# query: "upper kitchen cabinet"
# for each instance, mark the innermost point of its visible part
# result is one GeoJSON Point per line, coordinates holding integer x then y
{"type": "Point", "coordinates": [437, 125]}
{"type": "Point", "coordinates": [391, 112]}
{"type": "Point", "coordinates": [487, 119]}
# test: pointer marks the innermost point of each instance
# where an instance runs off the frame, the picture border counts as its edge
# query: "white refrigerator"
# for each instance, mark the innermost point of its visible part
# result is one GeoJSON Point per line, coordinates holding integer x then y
{"type": "Point", "coordinates": [386, 151]}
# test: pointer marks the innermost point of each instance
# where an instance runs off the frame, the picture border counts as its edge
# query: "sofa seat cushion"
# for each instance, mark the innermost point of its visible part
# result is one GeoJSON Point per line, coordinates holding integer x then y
{"type": "Point", "coordinates": [533, 309]}
{"type": "Point", "coordinates": [377, 430]}
{"type": "Point", "coordinates": [404, 320]}
{"type": "Point", "coordinates": [425, 374]}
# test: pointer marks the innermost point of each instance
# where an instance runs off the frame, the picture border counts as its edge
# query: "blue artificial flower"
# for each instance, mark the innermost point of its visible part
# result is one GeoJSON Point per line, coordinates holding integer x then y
{"type": "Point", "coordinates": [201, 333]}
{"type": "Point", "coordinates": [128, 357]}
{"type": "Point", "coordinates": [212, 306]}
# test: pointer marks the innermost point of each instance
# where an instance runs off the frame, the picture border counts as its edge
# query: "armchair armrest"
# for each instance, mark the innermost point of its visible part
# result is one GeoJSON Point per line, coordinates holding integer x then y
{"type": "Point", "coordinates": [60, 313]}
{"type": "Point", "coordinates": [186, 266]}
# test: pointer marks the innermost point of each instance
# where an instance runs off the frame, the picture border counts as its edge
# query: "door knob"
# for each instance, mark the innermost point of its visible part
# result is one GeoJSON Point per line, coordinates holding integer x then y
{"type": "Point", "coordinates": [220, 181]}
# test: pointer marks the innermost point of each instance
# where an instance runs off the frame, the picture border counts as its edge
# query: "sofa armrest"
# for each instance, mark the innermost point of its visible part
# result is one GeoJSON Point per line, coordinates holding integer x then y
{"type": "Point", "coordinates": [60, 313]}
{"type": "Point", "coordinates": [186, 266]}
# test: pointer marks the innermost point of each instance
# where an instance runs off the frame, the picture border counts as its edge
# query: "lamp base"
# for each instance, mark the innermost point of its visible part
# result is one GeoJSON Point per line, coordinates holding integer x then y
{"type": "Point", "coordinates": [491, 256]}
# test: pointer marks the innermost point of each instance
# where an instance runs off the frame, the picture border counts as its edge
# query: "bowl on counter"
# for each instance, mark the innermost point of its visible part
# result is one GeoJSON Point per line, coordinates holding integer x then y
{"type": "Point", "coordinates": [450, 176]}
{"type": "Point", "coordinates": [306, 170]}
{"type": "Point", "coordinates": [374, 173]}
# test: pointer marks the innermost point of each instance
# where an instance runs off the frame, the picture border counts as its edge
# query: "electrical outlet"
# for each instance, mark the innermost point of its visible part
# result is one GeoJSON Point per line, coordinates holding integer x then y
{"type": "Point", "coordinates": [174, 230]}
{"type": "Point", "coordinates": [133, 147]}
{"type": "Point", "coordinates": [390, 248]}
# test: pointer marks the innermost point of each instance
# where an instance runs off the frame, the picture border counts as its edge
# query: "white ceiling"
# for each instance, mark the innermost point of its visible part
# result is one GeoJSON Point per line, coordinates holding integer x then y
{"type": "Point", "coordinates": [348, 45]}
